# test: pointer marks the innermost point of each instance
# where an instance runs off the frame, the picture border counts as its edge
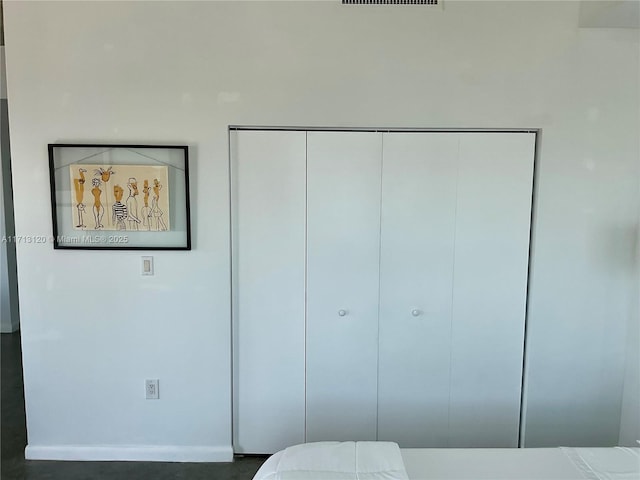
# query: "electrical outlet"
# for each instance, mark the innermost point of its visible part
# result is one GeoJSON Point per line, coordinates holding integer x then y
{"type": "Point", "coordinates": [151, 389]}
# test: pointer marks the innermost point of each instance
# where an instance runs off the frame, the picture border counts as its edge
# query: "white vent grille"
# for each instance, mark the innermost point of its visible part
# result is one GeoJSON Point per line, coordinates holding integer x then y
{"type": "Point", "coordinates": [391, 2]}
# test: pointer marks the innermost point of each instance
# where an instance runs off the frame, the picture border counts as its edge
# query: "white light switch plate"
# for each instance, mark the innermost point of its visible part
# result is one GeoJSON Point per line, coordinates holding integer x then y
{"type": "Point", "coordinates": [147, 266]}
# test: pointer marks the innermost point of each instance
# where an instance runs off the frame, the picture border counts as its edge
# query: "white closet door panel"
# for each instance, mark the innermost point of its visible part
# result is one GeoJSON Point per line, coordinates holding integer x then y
{"type": "Point", "coordinates": [418, 219]}
{"type": "Point", "coordinates": [268, 174]}
{"type": "Point", "coordinates": [489, 288]}
{"type": "Point", "coordinates": [343, 189]}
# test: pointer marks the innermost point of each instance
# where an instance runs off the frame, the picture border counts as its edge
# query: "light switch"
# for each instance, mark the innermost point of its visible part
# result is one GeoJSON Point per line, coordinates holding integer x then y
{"type": "Point", "coordinates": [147, 265]}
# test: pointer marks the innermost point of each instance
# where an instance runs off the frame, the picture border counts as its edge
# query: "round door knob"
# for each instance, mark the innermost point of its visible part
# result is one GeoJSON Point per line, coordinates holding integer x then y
{"type": "Point", "coordinates": [342, 313]}
{"type": "Point", "coordinates": [415, 312]}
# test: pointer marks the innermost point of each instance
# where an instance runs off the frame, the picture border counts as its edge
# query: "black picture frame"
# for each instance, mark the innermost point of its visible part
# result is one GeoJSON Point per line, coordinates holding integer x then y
{"type": "Point", "coordinates": [88, 205]}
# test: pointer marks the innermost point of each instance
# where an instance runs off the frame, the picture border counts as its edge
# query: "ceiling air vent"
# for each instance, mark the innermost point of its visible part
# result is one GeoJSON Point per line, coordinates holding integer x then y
{"type": "Point", "coordinates": [391, 2]}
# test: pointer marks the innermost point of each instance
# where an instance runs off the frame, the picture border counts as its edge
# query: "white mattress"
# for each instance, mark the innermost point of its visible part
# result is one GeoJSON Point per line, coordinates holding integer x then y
{"type": "Point", "coordinates": [616, 463]}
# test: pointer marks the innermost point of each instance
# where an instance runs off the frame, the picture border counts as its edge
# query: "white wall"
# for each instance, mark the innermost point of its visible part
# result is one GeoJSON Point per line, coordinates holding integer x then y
{"type": "Point", "coordinates": [8, 289]}
{"type": "Point", "coordinates": [182, 72]}
{"type": "Point", "coordinates": [5, 307]}
{"type": "Point", "coordinates": [630, 419]}
{"type": "Point", "coordinates": [610, 13]}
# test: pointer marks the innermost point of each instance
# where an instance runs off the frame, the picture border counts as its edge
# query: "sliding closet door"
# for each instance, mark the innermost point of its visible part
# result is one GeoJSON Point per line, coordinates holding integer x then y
{"type": "Point", "coordinates": [489, 287]}
{"type": "Point", "coordinates": [416, 277]}
{"type": "Point", "coordinates": [343, 240]}
{"type": "Point", "coordinates": [268, 247]}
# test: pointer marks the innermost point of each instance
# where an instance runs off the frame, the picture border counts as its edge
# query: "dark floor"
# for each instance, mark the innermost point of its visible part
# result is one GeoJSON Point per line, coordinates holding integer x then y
{"type": "Point", "coordinates": [13, 466]}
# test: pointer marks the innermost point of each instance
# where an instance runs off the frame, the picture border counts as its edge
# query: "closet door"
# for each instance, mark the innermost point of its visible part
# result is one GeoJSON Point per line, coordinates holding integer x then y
{"type": "Point", "coordinates": [416, 278]}
{"type": "Point", "coordinates": [343, 241]}
{"type": "Point", "coordinates": [268, 251]}
{"type": "Point", "coordinates": [489, 287]}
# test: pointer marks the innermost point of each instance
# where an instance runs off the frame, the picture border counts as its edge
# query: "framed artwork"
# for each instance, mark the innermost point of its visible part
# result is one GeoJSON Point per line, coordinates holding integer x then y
{"type": "Point", "coordinates": [120, 197]}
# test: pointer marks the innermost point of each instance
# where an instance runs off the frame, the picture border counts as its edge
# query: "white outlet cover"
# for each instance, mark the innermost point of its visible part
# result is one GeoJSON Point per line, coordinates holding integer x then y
{"type": "Point", "coordinates": [151, 388]}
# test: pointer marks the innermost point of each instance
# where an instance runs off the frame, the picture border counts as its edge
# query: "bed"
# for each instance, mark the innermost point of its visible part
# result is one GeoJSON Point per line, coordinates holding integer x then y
{"type": "Point", "coordinates": [385, 461]}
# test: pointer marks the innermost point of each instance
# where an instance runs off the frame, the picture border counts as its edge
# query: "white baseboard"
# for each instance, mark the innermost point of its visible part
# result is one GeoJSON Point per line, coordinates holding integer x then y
{"type": "Point", "coordinates": [130, 453]}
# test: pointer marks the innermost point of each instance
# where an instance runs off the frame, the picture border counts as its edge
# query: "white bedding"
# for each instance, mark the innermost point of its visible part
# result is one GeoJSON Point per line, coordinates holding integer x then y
{"type": "Point", "coordinates": [489, 464]}
{"type": "Point", "coordinates": [335, 461]}
{"type": "Point", "coordinates": [522, 463]}
{"type": "Point", "coordinates": [331, 461]}
{"type": "Point", "coordinates": [617, 463]}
